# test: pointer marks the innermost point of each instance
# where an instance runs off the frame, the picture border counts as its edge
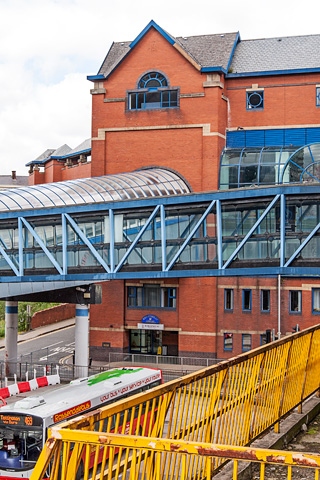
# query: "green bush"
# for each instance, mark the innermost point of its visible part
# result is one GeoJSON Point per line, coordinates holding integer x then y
{"type": "Point", "coordinates": [22, 314]}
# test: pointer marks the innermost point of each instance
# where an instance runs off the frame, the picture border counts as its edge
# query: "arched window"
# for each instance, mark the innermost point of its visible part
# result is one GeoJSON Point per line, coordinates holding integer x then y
{"type": "Point", "coordinates": [153, 92]}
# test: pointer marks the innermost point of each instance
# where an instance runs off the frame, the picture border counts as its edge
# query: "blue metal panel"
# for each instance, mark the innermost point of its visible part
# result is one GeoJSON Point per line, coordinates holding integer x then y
{"type": "Point", "coordinates": [274, 72]}
{"type": "Point", "coordinates": [312, 135]}
{"type": "Point", "coordinates": [255, 138]}
{"type": "Point", "coordinates": [274, 137]}
{"type": "Point", "coordinates": [295, 136]}
{"type": "Point", "coordinates": [236, 139]}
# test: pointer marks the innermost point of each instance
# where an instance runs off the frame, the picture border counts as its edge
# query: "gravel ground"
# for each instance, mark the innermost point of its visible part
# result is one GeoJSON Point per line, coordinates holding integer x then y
{"type": "Point", "coordinates": [308, 441]}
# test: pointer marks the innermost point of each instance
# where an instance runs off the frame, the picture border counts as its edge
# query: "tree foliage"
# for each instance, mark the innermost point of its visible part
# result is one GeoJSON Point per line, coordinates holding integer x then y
{"type": "Point", "coordinates": [23, 316]}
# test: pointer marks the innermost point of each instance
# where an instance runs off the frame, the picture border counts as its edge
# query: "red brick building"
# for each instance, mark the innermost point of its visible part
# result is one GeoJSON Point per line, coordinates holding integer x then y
{"type": "Point", "coordinates": [190, 104]}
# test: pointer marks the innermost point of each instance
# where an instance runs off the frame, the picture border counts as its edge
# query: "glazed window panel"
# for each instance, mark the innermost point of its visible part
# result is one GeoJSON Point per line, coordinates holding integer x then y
{"type": "Point", "coordinates": [255, 99]}
{"type": "Point", "coordinates": [153, 92]}
{"type": "Point", "coordinates": [246, 300]}
{"type": "Point", "coordinates": [228, 342]}
{"type": "Point", "coordinates": [228, 299]}
{"type": "Point", "coordinates": [151, 296]}
{"type": "Point", "coordinates": [295, 302]}
{"type": "Point", "coordinates": [316, 300]}
{"type": "Point", "coordinates": [246, 342]}
{"type": "Point", "coordinates": [318, 96]}
{"type": "Point", "coordinates": [152, 100]}
{"type": "Point", "coordinates": [265, 300]}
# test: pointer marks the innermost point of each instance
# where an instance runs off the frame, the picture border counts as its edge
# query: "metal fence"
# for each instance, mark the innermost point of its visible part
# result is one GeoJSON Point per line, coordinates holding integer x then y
{"type": "Point", "coordinates": [184, 362]}
{"type": "Point", "coordinates": [129, 457]}
{"type": "Point", "coordinates": [172, 367]}
{"type": "Point", "coordinates": [195, 423]}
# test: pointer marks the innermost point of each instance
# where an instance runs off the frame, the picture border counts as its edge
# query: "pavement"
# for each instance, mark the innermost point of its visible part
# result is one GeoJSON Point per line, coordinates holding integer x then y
{"type": "Point", "coordinates": [37, 332]}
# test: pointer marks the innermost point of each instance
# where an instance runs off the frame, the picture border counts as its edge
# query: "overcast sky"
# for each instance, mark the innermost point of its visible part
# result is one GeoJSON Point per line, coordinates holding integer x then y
{"type": "Point", "coordinates": [48, 47]}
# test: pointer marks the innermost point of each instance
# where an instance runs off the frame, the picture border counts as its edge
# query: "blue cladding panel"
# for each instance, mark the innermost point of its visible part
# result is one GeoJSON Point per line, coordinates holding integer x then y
{"type": "Point", "coordinates": [277, 137]}
{"type": "Point", "coordinates": [236, 139]}
{"type": "Point", "coordinates": [313, 135]}
{"type": "Point", "coordinates": [274, 137]}
{"type": "Point", "coordinates": [295, 136]}
{"type": "Point", "coordinates": [255, 138]}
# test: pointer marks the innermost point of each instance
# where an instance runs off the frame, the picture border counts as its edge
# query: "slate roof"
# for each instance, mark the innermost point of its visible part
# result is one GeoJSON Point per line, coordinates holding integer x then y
{"type": "Point", "coordinates": [279, 54]}
{"type": "Point", "coordinates": [117, 52]}
{"type": "Point", "coordinates": [62, 153]}
{"type": "Point", "coordinates": [227, 52]}
{"type": "Point", "coordinates": [7, 181]}
{"type": "Point", "coordinates": [208, 51]}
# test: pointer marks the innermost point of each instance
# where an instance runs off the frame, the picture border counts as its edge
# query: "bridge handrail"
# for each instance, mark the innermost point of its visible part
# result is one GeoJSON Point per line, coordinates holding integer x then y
{"type": "Point", "coordinates": [155, 450]}
{"type": "Point", "coordinates": [230, 403]}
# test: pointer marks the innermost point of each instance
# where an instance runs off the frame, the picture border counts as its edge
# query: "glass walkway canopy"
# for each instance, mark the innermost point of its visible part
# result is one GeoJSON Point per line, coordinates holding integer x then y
{"type": "Point", "coordinates": [124, 186]}
{"type": "Point", "coordinates": [148, 224]}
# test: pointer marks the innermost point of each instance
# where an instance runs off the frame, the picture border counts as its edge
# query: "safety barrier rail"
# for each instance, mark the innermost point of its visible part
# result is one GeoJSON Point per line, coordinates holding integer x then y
{"type": "Point", "coordinates": [229, 404]}
{"type": "Point", "coordinates": [131, 457]}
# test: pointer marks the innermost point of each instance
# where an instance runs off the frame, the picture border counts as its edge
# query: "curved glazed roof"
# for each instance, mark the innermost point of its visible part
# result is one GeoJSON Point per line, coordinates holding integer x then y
{"type": "Point", "coordinates": [153, 182]}
{"type": "Point", "coordinates": [253, 166]}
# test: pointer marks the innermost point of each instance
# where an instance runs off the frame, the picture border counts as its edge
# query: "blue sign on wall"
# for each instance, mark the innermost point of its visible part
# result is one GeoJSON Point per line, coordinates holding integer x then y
{"type": "Point", "coordinates": [150, 319]}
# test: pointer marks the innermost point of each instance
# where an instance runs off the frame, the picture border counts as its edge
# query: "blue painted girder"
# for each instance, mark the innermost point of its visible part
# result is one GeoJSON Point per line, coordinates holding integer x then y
{"type": "Point", "coordinates": [245, 232]}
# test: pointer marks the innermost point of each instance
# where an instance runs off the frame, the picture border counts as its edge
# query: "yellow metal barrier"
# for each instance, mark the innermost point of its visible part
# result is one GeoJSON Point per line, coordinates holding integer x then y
{"type": "Point", "coordinates": [132, 457]}
{"type": "Point", "coordinates": [227, 404]}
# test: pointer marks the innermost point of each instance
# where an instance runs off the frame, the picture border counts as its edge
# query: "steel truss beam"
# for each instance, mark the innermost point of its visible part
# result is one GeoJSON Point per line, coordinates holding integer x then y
{"type": "Point", "coordinates": [247, 232]}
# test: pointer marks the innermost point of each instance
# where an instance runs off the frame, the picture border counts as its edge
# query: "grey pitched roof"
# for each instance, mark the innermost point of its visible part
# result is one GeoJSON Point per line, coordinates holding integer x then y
{"type": "Point", "coordinates": [279, 54]}
{"type": "Point", "coordinates": [226, 51]}
{"type": "Point", "coordinates": [117, 52]}
{"type": "Point", "coordinates": [85, 145]}
{"type": "Point", "coordinates": [210, 50]}
{"type": "Point", "coordinates": [206, 50]}
{"type": "Point", "coordinates": [62, 152]}
{"type": "Point", "coordinates": [8, 181]}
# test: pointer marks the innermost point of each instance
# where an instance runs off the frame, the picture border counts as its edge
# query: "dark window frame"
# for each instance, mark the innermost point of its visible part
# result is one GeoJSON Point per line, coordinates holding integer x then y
{"type": "Point", "coordinates": [317, 96]}
{"type": "Point", "coordinates": [228, 299]}
{"type": "Point", "coordinates": [265, 300]}
{"type": "Point", "coordinates": [246, 300]}
{"type": "Point", "coordinates": [228, 342]}
{"type": "Point", "coordinates": [316, 292]}
{"type": "Point", "coordinates": [295, 301]}
{"type": "Point", "coordinates": [139, 297]}
{"type": "Point", "coordinates": [255, 99]}
{"type": "Point", "coordinates": [245, 346]}
{"type": "Point", "coordinates": [153, 92]}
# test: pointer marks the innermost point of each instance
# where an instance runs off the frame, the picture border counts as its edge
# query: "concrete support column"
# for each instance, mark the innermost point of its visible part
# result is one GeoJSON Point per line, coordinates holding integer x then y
{"type": "Point", "coordinates": [11, 338]}
{"type": "Point", "coordinates": [81, 357]}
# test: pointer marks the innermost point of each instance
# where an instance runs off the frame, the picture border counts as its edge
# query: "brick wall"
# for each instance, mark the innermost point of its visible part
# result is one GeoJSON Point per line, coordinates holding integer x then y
{"type": "Point", "coordinates": [188, 139]}
{"type": "Point", "coordinates": [53, 315]}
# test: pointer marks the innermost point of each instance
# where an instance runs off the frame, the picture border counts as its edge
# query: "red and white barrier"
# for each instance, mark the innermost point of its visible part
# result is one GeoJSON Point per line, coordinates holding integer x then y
{"type": "Point", "coordinates": [28, 385]}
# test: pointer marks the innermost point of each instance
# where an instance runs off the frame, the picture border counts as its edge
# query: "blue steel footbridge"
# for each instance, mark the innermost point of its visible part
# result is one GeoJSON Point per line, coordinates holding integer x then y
{"type": "Point", "coordinates": [148, 224]}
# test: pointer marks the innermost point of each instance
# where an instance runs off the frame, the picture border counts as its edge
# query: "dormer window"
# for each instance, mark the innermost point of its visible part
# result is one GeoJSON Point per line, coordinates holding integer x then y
{"type": "Point", "coordinates": [153, 92]}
